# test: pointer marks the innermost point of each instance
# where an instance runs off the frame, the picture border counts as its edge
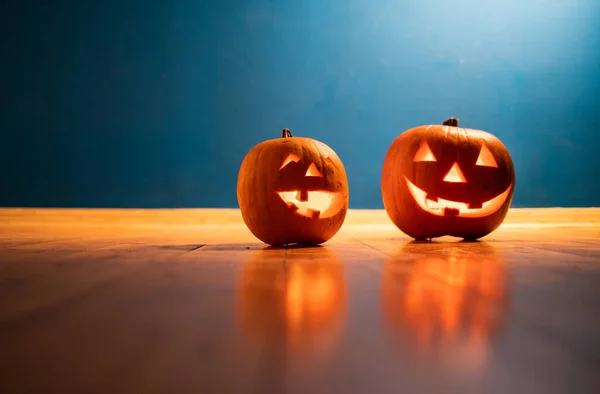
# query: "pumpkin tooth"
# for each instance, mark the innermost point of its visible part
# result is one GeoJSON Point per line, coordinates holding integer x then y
{"type": "Point", "coordinates": [475, 205]}
{"type": "Point", "coordinates": [431, 198]}
{"type": "Point", "coordinates": [302, 195]}
{"type": "Point", "coordinates": [451, 212]}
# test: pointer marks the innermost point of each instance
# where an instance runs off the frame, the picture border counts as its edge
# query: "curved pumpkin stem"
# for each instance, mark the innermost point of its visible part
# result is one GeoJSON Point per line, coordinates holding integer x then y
{"type": "Point", "coordinates": [286, 133]}
{"type": "Point", "coordinates": [451, 122]}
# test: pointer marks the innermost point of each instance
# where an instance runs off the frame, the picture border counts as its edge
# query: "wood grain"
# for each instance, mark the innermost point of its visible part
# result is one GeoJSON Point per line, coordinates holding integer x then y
{"type": "Point", "coordinates": [163, 301]}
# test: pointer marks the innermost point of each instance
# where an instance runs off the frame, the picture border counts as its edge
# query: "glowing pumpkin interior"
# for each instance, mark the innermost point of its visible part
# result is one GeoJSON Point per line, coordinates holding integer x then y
{"type": "Point", "coordinates": [316, 204]}
{"type": "Point", "coordinates": [444, 207]}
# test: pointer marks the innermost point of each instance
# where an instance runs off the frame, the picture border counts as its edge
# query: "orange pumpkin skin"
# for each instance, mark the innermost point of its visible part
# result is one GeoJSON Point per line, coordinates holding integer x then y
{"type": "Point", "coordinates": [292, 190]}
{"type": "Point", "coordinates": [442, 180]}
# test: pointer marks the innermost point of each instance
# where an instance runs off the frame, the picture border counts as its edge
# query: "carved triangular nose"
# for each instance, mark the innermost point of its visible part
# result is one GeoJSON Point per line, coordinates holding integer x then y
{"type": "Point", "coordinates": [455, 175]}
{"type": "Point", "coordinates": [313, 171]}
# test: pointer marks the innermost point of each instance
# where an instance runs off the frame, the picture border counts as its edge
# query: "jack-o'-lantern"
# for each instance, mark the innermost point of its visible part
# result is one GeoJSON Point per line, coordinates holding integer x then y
{"type": "Point", "coordinates": [449, 299]}
{"type": "Point", "coordinates": [292, 190]}
{"type": "Point", "coordinates": [446, 180]}
{"type": "Point", "coordinates": [301, 302]}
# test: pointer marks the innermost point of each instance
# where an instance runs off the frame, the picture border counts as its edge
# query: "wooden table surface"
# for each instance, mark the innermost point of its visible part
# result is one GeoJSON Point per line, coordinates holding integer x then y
{"type": "Point", "coordinates": [188, 301]}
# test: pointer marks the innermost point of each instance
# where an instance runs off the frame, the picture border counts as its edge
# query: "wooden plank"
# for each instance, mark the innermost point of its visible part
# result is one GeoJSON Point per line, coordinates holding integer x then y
{"type": "Point", "coordinates": [189, 301]}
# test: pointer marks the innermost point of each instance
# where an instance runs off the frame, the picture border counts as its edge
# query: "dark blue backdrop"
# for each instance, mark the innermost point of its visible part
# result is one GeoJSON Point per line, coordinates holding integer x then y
{"type": "Point", "coordinates": [155, 103]}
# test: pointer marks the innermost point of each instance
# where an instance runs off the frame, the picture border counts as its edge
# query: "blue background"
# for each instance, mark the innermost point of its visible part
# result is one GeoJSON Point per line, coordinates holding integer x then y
{"type": "Point", "coordinates": [155, 104]}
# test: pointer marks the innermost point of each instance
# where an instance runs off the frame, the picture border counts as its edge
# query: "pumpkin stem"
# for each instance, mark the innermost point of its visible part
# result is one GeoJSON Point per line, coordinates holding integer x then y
{"type": "Point", "coordinates": [286, 133]}
{"type": "Point", "coordinates": [451, 122]}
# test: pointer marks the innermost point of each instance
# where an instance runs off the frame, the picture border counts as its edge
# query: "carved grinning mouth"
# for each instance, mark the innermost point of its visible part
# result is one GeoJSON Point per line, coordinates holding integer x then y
{"type": "Point", "coordinates": [443, 207]}
{"type": "Point", "coordinates": [315, 204]}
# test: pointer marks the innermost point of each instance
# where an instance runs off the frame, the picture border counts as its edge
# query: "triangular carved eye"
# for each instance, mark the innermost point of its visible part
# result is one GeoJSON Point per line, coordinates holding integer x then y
{"type": "Point", "coordinates": [291, 158]}
{"type": "Point", "coordinates": [313, 171]}
{"type": "Point", "coordinates": [424, 153]}
{"type": "Point", "coordinates": [486, 158]}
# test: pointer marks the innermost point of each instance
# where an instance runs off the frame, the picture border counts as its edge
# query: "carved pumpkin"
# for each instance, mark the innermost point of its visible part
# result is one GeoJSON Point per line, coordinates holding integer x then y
{"type": "Point", "coordinates": [292, 190]}
{"type": "Point", "coordinates": [449, 301]}
{"type": "Point", "coordinates": [301, 302]}
{"type": "Point", "coordinates": [445, 180]}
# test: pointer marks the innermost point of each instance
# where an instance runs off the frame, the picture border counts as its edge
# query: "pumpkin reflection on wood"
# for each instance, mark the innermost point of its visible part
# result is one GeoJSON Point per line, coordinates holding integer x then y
{"type": "Point", "coordinates": [448, 298]}
{"type": "Point", "coordinates": [303, 299]}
